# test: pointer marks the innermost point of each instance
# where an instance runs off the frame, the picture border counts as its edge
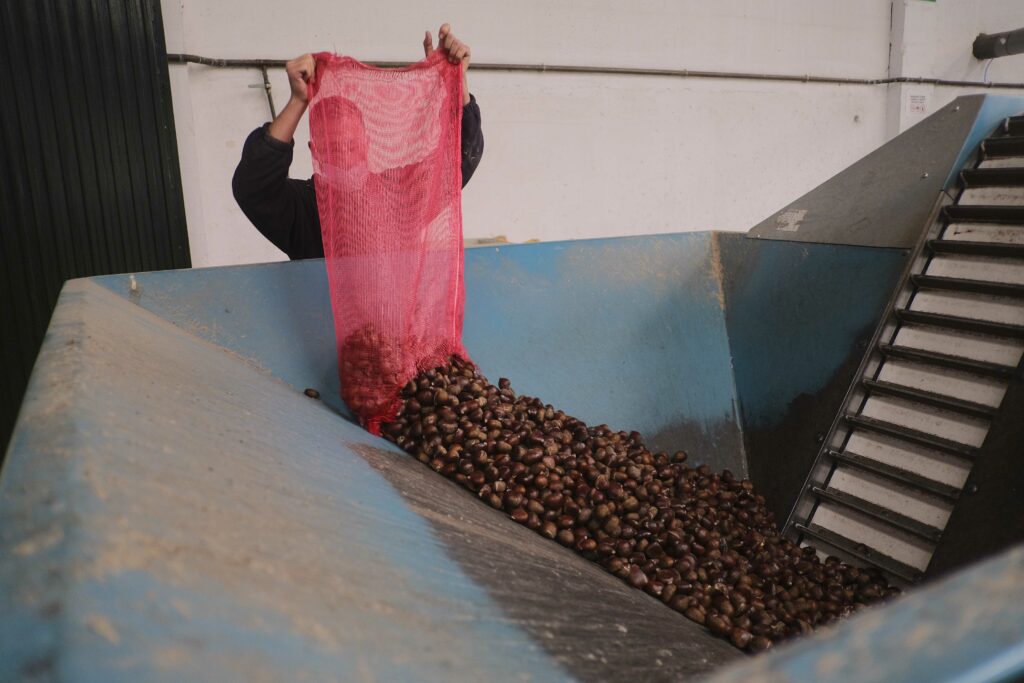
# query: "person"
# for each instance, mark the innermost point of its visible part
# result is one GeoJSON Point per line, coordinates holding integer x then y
{"type": "Point", "coordinates": [283, 209]}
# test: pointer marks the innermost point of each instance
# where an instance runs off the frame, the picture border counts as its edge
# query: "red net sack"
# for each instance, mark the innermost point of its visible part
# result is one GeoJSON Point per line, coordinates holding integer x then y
{"type": "Point", "coordinates": [386, 162]}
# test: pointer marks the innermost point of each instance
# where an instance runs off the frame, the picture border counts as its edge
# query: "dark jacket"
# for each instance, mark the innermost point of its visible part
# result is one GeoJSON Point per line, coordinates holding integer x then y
{"type": "Point", "coordinates": [285, 211]}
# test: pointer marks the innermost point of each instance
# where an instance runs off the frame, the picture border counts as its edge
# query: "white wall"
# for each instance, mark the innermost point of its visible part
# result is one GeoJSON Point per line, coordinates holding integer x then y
{"type": "Point", "coordinates": [571, 156]}
{"type": "Point", "coordinates": [933, 40]}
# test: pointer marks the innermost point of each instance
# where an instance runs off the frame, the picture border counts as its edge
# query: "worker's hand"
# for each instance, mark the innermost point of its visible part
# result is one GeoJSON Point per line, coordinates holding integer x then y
{"type": "Point", "coordinates": [301, 72]}
{"type": "Point", "coordinates": [458, 53]}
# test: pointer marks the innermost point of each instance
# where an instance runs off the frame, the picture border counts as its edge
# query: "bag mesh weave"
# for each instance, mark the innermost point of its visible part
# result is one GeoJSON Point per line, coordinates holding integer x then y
{"type": "Point", "coordinates": [386, 162]}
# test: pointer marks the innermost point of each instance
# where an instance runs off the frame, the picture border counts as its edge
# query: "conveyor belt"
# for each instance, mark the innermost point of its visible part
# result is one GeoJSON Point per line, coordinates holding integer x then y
{"type": "Point", "coordinates": [891, 472]}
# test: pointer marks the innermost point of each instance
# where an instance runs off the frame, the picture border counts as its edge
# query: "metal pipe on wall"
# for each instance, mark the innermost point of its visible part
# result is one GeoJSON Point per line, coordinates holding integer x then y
{"type": "Point", "coordinates": [990, 46]}
{"type": "Point", "coordinates": [625, 71]}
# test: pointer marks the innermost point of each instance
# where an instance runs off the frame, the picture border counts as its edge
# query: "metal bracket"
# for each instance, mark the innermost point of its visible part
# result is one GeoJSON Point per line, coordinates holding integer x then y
{"type": "Point", "coordinates": [266, 86]}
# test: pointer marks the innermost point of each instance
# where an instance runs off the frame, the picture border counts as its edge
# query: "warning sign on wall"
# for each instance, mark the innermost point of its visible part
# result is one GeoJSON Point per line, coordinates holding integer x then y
{"type": "Point", "coordinates": [917, 103]}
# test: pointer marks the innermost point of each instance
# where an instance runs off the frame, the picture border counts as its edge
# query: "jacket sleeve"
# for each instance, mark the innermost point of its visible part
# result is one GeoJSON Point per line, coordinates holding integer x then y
{"type": "Point", "coordinates": [282, 209]}
{"type": "Point", "coordinates": [472, 139]}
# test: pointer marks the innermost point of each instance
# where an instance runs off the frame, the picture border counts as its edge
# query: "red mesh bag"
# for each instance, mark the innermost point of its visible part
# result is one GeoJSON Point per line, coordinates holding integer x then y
{"type": "Point", "coordinates": [386, 161]}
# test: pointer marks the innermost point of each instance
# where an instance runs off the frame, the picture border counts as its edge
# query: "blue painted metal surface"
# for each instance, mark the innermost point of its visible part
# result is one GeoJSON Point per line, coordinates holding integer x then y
{"type": "Point", "coordinates": [794, 310]}
{"type": "Point", "coordinates": [276, 316]}
{"type": "Point", "coordinates": [172, 507]}
{"type": "Point", "coordinates": [171, 512]}
{"type": "Point", "coordinates": [219, 519]}
{"type": "Point", "coordinates": [630, 332]}
{"type": "Point", "coordinates": [799, 317]}
{"type": "Point", "coordinates": [968, 628]}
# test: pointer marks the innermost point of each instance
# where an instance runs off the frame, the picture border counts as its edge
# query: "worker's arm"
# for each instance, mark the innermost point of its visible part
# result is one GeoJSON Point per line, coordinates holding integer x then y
{"type": "Point", "coordinates": [472, 134]}
{"type": "Point", "coordinates": [302, 71]}
{"type": "Point", "coordinates": [282, 209]}
{"type": "Point", "coordinates": [285, 210]}
{"type": "Point", "coordinates": [472, 139]}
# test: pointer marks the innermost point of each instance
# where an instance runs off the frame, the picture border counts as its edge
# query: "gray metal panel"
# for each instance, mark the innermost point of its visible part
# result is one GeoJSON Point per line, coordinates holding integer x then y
{"type": "Point", "coordinates": [884, 199]}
